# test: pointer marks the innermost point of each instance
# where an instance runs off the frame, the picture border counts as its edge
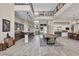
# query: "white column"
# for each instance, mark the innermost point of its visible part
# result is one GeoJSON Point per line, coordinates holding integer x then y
{"type": "Point", "coordinates": [26, 38]}
{"type": "Point", "coordinates": [50, 27]}
{"type": "Point", "coordinates": [26, 35]}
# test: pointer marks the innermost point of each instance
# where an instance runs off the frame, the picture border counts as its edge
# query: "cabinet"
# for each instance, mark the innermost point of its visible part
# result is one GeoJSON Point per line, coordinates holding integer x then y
{"type": "Point", "coordinates": [58, 33]}
{"type": "Point", "coordinates": [19, 35]}
{"type": "Point", "coordinates": [64, 34]}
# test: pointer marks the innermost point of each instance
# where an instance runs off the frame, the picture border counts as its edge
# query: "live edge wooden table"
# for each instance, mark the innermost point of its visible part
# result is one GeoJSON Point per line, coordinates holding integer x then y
{"type": "Point", "coordinates": [50, 38]}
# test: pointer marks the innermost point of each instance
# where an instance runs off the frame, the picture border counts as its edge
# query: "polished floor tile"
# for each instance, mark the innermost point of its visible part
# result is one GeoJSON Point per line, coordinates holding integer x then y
{"type": "Point", "coordinates": [64, 47]}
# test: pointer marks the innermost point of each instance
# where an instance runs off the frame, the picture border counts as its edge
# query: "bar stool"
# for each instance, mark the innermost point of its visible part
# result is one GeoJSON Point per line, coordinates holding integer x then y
{"type": "Point", "coordinates": [75, 36]}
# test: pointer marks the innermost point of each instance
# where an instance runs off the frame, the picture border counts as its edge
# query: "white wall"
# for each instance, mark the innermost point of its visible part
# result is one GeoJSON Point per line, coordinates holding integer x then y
{"type": "Point", "coordinates": [7, 12]}
{"type": "Point", "coordinates": [31, 26]}
{"type": "Point", "coordinates": [19, 20]}
{"type": "Point", "coordinates": [50, 27]}
{"type": "Point", "coordinates": [62, 27]}
{"type": "Point", "coordinates": [22, 21]}
{"type": "Point", "coordinates": [22, 7]}
{"type": "Point", "coordinates": [76, 27]}
{"type": "Point", "coordinates": [26, 24]}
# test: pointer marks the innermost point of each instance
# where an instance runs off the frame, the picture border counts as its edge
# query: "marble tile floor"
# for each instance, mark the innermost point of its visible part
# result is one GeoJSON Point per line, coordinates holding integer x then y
{"type": "Point", "coordinates": [68, 47]}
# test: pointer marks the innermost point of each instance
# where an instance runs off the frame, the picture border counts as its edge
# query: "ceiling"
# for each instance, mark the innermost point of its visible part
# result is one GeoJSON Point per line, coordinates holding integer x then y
{"type": "Point", "coordinates": [23, 14]}
{"type": "Point", "coordinates": [36, 7]}
{"type": "Point", "coordinates": [44, 6]}
{"type": "Point", "coordinates": [72, 12]}
{"type": "Point", "coordinates": [44, 9]}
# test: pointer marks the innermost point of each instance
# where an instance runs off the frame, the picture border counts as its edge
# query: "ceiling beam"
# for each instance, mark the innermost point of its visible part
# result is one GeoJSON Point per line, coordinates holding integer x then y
{"type": "Point", "coordinates": [31, 5]}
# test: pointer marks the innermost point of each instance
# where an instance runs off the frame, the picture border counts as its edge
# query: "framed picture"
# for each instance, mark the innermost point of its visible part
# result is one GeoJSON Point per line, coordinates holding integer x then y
{"type": "Point", "coordinates": [18, 25]}
{"type": "Point", "coordinates": [6, 25]}
{"type": "Point", "coordinates": [21, 26]}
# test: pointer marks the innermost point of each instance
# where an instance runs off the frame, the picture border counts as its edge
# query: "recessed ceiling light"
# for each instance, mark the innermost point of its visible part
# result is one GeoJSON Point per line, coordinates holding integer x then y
{"type": "Point", "coordinates": [78, 11]}
{"type": "Point", "coordinates": [74, 22]}
{"type": "Point", "coordinates": [36, 13]}
{"type": "Point", "coordinates": [36, 21]}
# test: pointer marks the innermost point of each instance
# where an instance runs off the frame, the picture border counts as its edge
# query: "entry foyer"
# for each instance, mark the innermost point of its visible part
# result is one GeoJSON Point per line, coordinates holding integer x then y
{"type": "Point", "coordinates": [39, 29]}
